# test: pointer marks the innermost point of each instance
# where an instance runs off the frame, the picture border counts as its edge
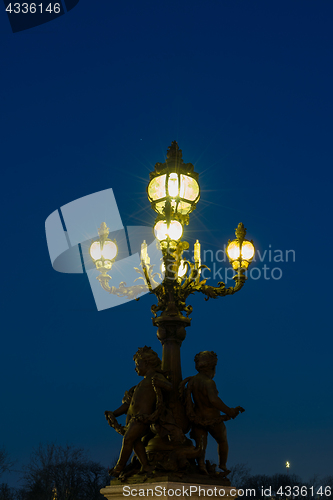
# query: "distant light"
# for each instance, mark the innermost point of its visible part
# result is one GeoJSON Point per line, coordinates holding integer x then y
{"type": "Point", "coordinates": [287, 465]}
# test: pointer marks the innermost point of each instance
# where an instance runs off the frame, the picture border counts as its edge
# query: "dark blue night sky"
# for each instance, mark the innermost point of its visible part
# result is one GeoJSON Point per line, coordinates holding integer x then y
{"type": "Point", "coordinates": [91, 101]}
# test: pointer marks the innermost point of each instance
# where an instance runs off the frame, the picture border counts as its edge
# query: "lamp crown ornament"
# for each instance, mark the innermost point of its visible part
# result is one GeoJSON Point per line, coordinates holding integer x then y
{"type": "Point", "coordinates": [174, 162]}
{"type": "Point", "coordinates": [240, 231]}
{"type": "Point", "coordinates": [103, 230]}
{"type": "Point", "coordinates": [174, 151]}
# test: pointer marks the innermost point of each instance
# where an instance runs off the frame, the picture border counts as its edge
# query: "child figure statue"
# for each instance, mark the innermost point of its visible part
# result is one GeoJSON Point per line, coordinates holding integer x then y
{"type": "Point", "coordinates": [204, 409]}
{"type": "Point", "coordinates": [143, 405]}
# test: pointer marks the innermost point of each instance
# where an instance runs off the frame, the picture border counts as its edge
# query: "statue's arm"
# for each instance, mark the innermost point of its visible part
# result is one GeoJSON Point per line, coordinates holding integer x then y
{"type": "Point", "coordinates": [121, 410]}
{"type": "Point", "coordinates": [217, 402]}
{"type": "Point", "coordinates": [116, 413]}
{"type": "Point", "coordinates": [125, 404]}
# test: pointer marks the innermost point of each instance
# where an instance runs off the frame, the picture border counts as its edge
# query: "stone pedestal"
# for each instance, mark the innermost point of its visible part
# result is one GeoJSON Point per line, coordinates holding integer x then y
{"type": "Point", "coordinates": [168, 490]}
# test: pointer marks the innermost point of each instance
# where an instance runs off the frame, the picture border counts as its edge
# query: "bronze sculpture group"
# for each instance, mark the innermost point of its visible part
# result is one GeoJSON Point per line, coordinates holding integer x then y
{"type": "Point", "coordinates": [148, 418]}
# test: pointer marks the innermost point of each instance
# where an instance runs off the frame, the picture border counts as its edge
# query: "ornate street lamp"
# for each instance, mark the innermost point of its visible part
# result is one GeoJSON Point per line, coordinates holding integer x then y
{"type": "Point", "coordinates": [162, 408]}
{"type": "Point", "coordinates": [174, 192]}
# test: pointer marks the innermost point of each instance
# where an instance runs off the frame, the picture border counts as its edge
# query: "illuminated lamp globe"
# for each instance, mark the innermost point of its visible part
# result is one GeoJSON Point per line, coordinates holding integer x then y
{"type": "Point", "coordinates": [240, 253]}
{"type": "Point", "coordinates": [162, 231]}
{"type": "Point", "coordinates": [108, 252]}
{"type": "Point", "coordinates": [233, 250]}
{"type": "Point", "coordinates": [182, 190]}
{"type": "Point", "coordinates": [247, 250]}
{"type": "Point", "coordinates": [95, 250]}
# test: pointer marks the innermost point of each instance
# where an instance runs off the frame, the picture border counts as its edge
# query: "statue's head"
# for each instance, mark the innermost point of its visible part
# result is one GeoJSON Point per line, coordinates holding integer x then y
{"type": "Point", "coordinates": [205, 361]}
{"type": "Point", "coordinates": [145, 355]}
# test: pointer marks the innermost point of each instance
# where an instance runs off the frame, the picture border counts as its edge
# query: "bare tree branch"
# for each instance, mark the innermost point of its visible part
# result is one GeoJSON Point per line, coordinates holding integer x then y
{"type": "Point", "coordinates": [64, 470]}
{"type": "Point", "coordinates": [5, 462]}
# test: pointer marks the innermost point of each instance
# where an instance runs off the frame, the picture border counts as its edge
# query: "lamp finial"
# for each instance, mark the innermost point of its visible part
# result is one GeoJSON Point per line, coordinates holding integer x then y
{"type": "Point", "coordinates": [174, 153]}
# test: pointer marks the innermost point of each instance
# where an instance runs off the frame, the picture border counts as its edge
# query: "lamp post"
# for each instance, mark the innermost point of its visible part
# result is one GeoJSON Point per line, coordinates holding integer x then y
{"type": "Point", "coordinates": [173, 192]}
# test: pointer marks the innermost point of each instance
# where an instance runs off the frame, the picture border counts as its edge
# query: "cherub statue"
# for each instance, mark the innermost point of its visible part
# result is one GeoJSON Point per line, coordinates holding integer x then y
{"type": "Point", "coordinates": [143, 405]}
{"type": "Point", "coordinates": [203, 407]}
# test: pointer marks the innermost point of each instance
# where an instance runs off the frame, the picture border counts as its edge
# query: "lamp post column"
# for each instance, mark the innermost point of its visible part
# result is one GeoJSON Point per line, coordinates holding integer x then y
{"type": "Point", "coordinates": [171, 333]}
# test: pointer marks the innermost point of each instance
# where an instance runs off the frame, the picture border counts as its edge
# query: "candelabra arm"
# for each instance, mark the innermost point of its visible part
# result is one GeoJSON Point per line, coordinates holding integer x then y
{"type": "Point", "coordinates": [213, 292]}
{"type": "Point", "coordinates": [104, 281]}
{"type": "Point", "coordinates": [131, 292]}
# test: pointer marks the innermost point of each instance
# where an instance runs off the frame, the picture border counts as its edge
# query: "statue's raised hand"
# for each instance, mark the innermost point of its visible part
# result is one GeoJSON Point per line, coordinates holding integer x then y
{"type": "Point", "coordinates": [236, 411]}
{"type": "Point", "coordinates": [109, 415]}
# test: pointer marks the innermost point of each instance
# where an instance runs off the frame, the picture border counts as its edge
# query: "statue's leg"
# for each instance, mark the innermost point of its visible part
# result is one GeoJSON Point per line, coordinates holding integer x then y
{"type": "Point", "coordinates": [139, 450]}
{"type": "Point", "coordinates": [133, 433]}
{"type": "Point", "coordinates": [219, 433]}
{"type": "Point", "coordinates": [199, 434]}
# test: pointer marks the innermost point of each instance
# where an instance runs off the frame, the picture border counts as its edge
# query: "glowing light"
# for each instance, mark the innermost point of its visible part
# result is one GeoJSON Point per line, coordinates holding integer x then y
{"type": "Point", "coordinates": [156, 188]}
{"type": "Point", "coordinates": [247, 250]}
{"type": "Point", "coordinates": [175, 230]}
{"type": "Point", "coordinates": [184, 208]}
{"type": "Point", "coordinates": [182, 269]}
{"type": "Point", "coordinates": [109, 251]}
{"type": "Point", "coordinates": [162, 231]}
{"type": "Point", "coordinates": [95, 250]}
{"type": "Point", "coordinates": [233, 250]}
{"type": "Point", "coordinates": [189, 188]}
{"type": "Point", "coordinates": [197, 254]}
{"type": "Point", "coordinates": [173, 185]}
{"type": "Point", "coordinates": [144, 251]}
{"type": "Point", "coordinates": [182, 190]}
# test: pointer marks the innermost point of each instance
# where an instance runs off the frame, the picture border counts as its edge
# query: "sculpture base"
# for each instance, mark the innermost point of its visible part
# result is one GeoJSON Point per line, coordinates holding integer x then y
{"type": "Point", "coordinates": [168, 485]}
